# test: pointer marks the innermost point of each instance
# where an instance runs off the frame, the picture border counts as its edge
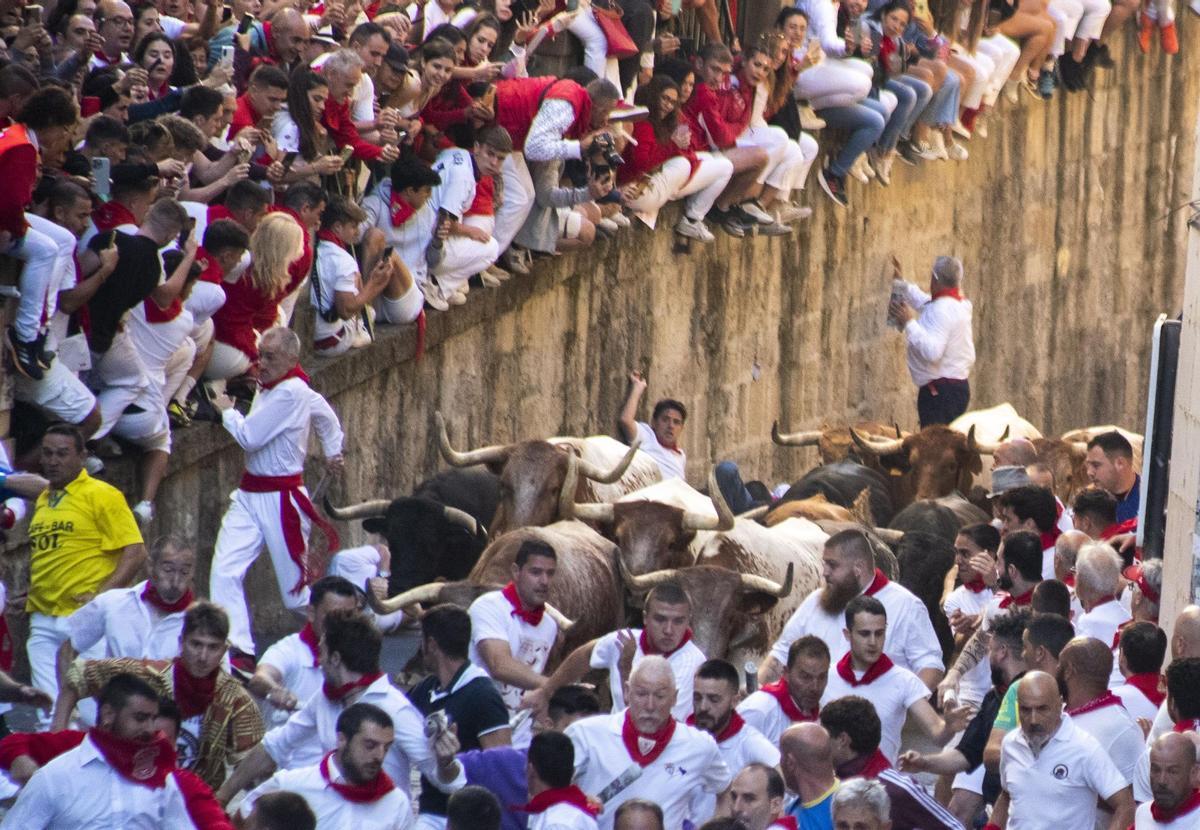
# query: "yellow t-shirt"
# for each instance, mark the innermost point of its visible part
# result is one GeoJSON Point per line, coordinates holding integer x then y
{"type": "Point", "coordinates": [77, 535]}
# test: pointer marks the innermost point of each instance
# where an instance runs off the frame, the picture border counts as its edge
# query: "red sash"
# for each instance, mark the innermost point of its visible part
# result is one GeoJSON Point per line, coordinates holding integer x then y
{"type": "Point", "coordinates": [736, 722]}
{"type": "Point", "coordinates": [572, 795]}
{"type": "Point", "coordinates": [292, 496]}
{"type": "Point", "coordinates": [151, 596]}
{"type": "Point", "coordinates": [145, 764]}
{"type": "Point", "coordinates": [1148, 685]}
{"type": "Point", "coordinates": [1106, 699]}
{"type": "Point", "coordinates": [192, 694]}
{"type": "Point", "coordinates": [358, 793]}
{"type": "Point", "coordinates": [783, 696]}
{"type": "Point", "coordinates": [648, 647]}
{"type": "Point", "coordinates": [661, 738]}
{"type": "Point", "coordinates": [879, 668]}
{"type": "Point", "coordinates": [533, 616]}
{"type": "Point", "coordinates": [336, 693]}
{"type": "Point", "coordinates": [309, 638]}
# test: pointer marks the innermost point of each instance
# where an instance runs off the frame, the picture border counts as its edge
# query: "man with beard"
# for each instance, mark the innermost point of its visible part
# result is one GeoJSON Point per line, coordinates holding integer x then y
{"type": "Point", "coordinates": [348, 788]}
{"type": "Point", "coordinates": [1053, 771]}
{"type": "Point", "coordinates": [1172, 780]}
{"type": "Point", "coordinates": [795, 697]}
{"type": "Point", "coordinates": [849, 570]}
{"type": "Point", "coordinates": [642, 752]}
{"type": "Point", "coordinates": [1183, 704]}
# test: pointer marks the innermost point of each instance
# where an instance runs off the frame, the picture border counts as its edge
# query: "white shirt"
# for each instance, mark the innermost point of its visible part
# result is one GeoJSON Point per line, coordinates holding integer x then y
{"type": "Point", "coordinates": [128, 626]}
{"type": "Point", "coordinates": [822, 25]}
{"type": "Point", "coordinates": [672, 463]}
{"type": "Point", "coordinates": [684, 662]}
{"type": "Point", "coordinates": [940, 343]}
{"type": "Point", "coordinates": [763, 712]}
{"type": "Point", "coordinates": [275, 433]}
{"type": "Point", "coordinates": [78, 790]}
{"type": "Point", "coordinates": [690, 762]}
{"type": "Point", "coordinates": [975, 683]}
{"type": "Point", "coordinates": [1058, 787]}
{"type": "Point", "coordinates": [301, 674]}
{"type": "Point", "coordinates": [892, 693]}
{"type": "Point", "coordinates": [1136, 703]}
{"type": "Point", "coordinates": [358, 565]}
{"type": "Point", "coordinates": [1143, 820]}
{"type": "Point", "coordinates": [910, 641]}
{"type": "Point", "coordinates": [562, 817]}
{"type": "Point", "coordinates": [747, 746]}
{"type": "Point", "coordinates": [333, 812]}
{"type": "Point", "coordinates": [311, 731]}
{"type": "Point", "coordinates": [412, 237]}
{"type": "Point", "coordinates": [1120, 738]}
{"type": "Point", "coordinates": [337, 270]}
{"type": "Point", "coordinates": [1103, 622]}
{"type": "Point", "coordinates": [456, 169]}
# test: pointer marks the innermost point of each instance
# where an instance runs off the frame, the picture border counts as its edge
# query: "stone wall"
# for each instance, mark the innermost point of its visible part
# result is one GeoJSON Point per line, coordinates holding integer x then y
{"type": "Point", "coordinates": [1063, 218]}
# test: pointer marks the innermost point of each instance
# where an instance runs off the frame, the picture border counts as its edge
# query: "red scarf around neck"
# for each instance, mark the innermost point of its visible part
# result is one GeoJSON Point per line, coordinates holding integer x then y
{"type": "Point", "coordinates": [1106, 699]}
{"type": "Point", "coordinates": [367, 793]}
{"type": "Point", "coordinates": [953, 293]}
{"type": "Point", "coordinates": [879, 668]}
{"type": "Point", "coordinates": [145, 764]}
{"type": "Point", "coordinates": [786, 822]}
{"type": "Point", "coordinates": [309, 638]}
{"type": "Point", "coordinates": [1127, 526]}
{"type": "Point", "coordinates": [783, 696]}
{"type": "Point", "coordinates": [572, 795]}
{"type": "Point", "coordinates": [294, 372]}
{"type": "Point", "coordinates": [193, 694]}
{"type": "Point", "coordinates": [736, 722]}
{"type": "Point", "coordinates": [878, 583]}
{"type": "Point", "coordinates": [1186, 726]}
{"type": "Point", "coordinates": [1019, 600]}
{"type": "Point", "coordinates": [326, 235]}
{"type": "Point", "coordinates": [1050, 537]}
{"type": "Point", "coordinates": [111, 215]}
{"type": "Point", "coordinates": [648, 648]}
{"type": "Point", "coordinates": [533, 616]}
{"type": "Point", "coordinates": [399, 208]}
{"type": "Point", "coordinates": [975, 586]}
{"type": "Point", "coordinates": [661, 738]}
{"type": "Point", "coordinates": [337, 693]}
{"type": "Point", "coordinates": [1148, 685]}
{"type": "Point", "coordinates": [151, 596]}
{"type": "Point", "coordinates": [1186, 806]}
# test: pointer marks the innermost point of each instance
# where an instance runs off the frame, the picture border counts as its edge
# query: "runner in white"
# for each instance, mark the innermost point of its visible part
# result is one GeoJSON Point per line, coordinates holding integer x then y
{"type": "Point", "coordinates": [975, 554]}
{"type": "Point", "coordinates": [756, 798]}
{"type": "Point", "coordinates": [795, 697]}
{"type": "Point", "coordinates": [554, 802]}
{"type": "Point", "coordinates": [1142, 649]}
{"type": "Point", "coordinates": [1176, 801]}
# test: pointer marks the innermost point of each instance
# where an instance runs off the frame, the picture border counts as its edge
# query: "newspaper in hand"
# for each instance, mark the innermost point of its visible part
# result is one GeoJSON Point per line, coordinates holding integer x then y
{"type": "Point", "coordinates": [897, 296]}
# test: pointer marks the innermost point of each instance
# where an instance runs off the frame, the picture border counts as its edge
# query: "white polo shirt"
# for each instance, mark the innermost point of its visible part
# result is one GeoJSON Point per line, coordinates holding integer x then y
{"type": "Point", "coordinates": [1187, 818]}
{"type": "Point", "coordinates": [1057, 788]}
{"type": "Point", "coordinates": [763, 712]}
{"type": "Point", "coordinates": [892, 693]}
{"type": "Point", "coordinates": [336, 270]}
{"type": "Point", "coordinates": [684, 662]}
{"type": "Point", "coordinates": [673, 463]}
{"type": "Point", "coordinates": [1141, 776]}
{"type": "Point", "coordinates": [293, 659]}
{"type": "Point", "coordinates": [690, 762]}
{"type": "Point", "coordinates": [975, 683]}
{"type": "Point", "coordinates": [127, 625]}
{"type": "Point", "coordinates": [744, 747]}
{"type": "Point", "coordinates": [562, 817]}
{"type": "Point", "coordinates": [911, 642]}
{"type": "Point", "coordinates": [1120, 737]}
{"type": "Point", "coordinates": [1136, 703]}
{"type": "Point", "coordinates": [391, 812]}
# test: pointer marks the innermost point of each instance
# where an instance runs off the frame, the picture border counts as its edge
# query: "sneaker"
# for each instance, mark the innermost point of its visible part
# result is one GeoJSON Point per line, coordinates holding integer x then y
{"type": "Point", "coordinates": [788, 213]}
{"type": "Point", "coordinates": [755, 211]}
{"type": "Point", "coordinates": [608, 227]}
{"type": "Point", "coordinates": [621, 220]}
{"type": "Point", "coordinates": [908, 153]}
{"type": "Point", "coordinates": [883, 168]}
{"type": "Point", "coordinates": [44, 358]}
{"type": "Point", "coordinates": [204, 409]}
{"type": "Point", "coordinates": [178, 415]}
{"type": "Point", "coordinates": [937, 143]}
{"type": "Point", "coordinates": [927, 151]}
{"type": "Point", "coordinates": [834, 186]}
{"type": "Point", "coordinates": [457, 298]}
{"type": "Point", "coordinates": [517, 260]}
{"type": "Point", "coordinates": [499, 273]}
{"type": "Point", "coordinates": [1046, 83]}
{"type": "Point", "coordinates": [1145, 32]}
{"type": "Point", "coordinates": [1170, 39]}
{"type": "Point", "coordinates": [1012, 90]}
{"type": "Point", "coordinates": [693, 229]}
{"type": "Point", "coordinates": [433, 297]}
{"type": "Point", "coordinates": [957, 152]}
{"type": "Point", "coordinates": [93, 465]}
{"type": "Point", "coordinates": [1032, 89]}
{"type": "Point", "coordinates": [24, 356]}
{"type": "Point", "coordinates": [981, 125]}
{"type": "Point", "coordinates": [960, 130]}
{"type": "Point", "coordinates": [726, 221]}
{"type": "Point", "coordinates": [143, 512]}
{"type": "Point", "coordinates": [488, 279]}
{"type": "Point", "coordinates": [774, 229]}
{"type": "Point", "coordinates": [1102, 57]}
{"type": "Point", "coordinates": [858, 171]}
{"type": "Point", "coordinates": [809, 120]}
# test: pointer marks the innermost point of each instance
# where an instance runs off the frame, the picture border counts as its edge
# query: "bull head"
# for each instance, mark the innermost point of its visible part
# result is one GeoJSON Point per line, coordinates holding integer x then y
{"type": "Point", "coordinates": [750, 582]}
{"type": "Point", "coordinates": [809, 438]}
{"type": "Point", "coordinates": [376, 508]}
{"type": "Point", "coordinates": [877, 446]}
{"type": "Point", "coordinates": [983, 447]}
{"type": "Point", "coordinates": [603, 513]}
{"type": "Point", "coordinates": [424, 594]}
{"type": "Point", "coordinates": [495, 454]}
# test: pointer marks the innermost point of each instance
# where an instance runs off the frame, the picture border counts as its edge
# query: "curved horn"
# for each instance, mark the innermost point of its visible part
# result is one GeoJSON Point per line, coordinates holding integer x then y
{"type": "Point", "coordinates": [807, 438]}
{"type": "Point", "coordinates": [462, 518]}
{"type": "Point", "coordinates": [485, 455]}
{"type": "Point", "coordinates": [755, 513]}
{"type": "Point", "coordinates": [566, 496]}
{"type": "Point", "coordinates": [888, 535]}
{"type": "Point", "coordinates": [362, 510]}
{"type": "Point", "coordinates": [563, 622]}
{"type": "Point", "coordinates": [594, 512]}
{"type": "Point", "coordinates": [644, 582]}
{"type": "Point", "coordinates": [984, 447]}
{"type": "Point", "coordinates": [724, 518]}
{"type": "Point", "coordinates": [422, 593]}
{"type": "Point", "coordinates": [753, 582]}
{"type": "Point", "coordinates": [896, 427]}
{"type": "Point", "coordinates": [877, 446]}
{"type": "Point", "coordinates": [588, 470]}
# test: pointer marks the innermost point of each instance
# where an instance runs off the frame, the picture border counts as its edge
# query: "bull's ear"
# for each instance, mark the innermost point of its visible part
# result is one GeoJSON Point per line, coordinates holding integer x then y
{"type": "Point", "coordinates": [975, 465]}
{"type": "Point", "coordinates": [757, 602]}
{"type": "Point", "coordinates": [375, 524]}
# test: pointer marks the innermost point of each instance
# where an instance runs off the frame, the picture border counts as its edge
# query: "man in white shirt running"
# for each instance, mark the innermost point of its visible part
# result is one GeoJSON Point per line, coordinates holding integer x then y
{"type": "Point", "coordinates": [554, 802]}
{"type": "Point", "coordinates": [795, 697]}
{"type": "Point", "coordinates": [1173, 782]}
{"type": "Point", "coordinates": [660, 437]}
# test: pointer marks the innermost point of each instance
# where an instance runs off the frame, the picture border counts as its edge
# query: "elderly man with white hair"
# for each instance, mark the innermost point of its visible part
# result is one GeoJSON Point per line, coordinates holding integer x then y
{"type": "Point", "coordinates": [1066, 554]}
{"type": "Point", "coordinates": [642, 752]}
{"type": "Point", "coordinates": [861, 804]}
{"type": "Point", "coordinates": [1098, 585]}
{"type": "Point", "coordinates": [940, 344]}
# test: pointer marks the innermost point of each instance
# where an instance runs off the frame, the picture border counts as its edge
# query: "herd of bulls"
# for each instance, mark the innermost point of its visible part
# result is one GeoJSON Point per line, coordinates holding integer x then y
{"type": "Point", "coordinates": [619, 528]}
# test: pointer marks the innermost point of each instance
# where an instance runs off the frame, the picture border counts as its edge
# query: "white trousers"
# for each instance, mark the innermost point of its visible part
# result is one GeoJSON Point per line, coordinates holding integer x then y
{"type": "Point", "coordinates": [1095, 12]}
{"type": "Point", "coordinates": [834, 82]}
{"type": "Point", "coordinates": [517, 201]}
{"type": "Point", "coordinates": [177, 368]}
{"type": "Point", "coordinates": [783, 155]}
{"type": "Point", "coordinates": [1066, 15]}
{"type": "Point", "coordinates": [226, 362]}
{"type": "Point", "coordinates": [46, 636]}
{"type": "Point", "coordinates": [403, 309]}
{"type": "Point", "coordinates": [287, 305]}
{"type": "Point", "coordinates": [251, 521]}
{"type": "Point", "coordinates": [46, 249]}
{"type": "Point", "coordinates": [122, 380]}
{"type": "Point", "coordinates": [461, 259]}
{"type": "Point", "coordinates": [703, 188]}
{"type": "Point", "coordinates": [1004, 54]}
{"type": "Point", "coordinates": [972, 96]}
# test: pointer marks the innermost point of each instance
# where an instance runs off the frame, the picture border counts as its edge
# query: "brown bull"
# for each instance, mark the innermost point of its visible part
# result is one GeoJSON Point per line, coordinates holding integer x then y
{"type": "Point", "coordinates": [836, 443]}
{"type": "Point", "coordinates": [1066, 457]}
{"type": "Point", "coordinates": [929, 464]}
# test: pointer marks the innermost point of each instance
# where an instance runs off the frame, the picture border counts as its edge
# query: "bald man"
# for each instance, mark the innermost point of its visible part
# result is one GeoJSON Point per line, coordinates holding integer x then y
{"type": "Point", "coordinates": [1183, 704]}
{"type": "Point", "coordinates": [1016, 452]}
{"type": "Point", "coordinates": [642, 752]}
{"type": "Point", "coordinates": [1052, 771]}
{"type": "Point", "coordinates": [114, 23]}
{"type": "Point", "coordinates": [807, 765]}
{"type": "Point", "coordinates": [1185, 642]}
{"type": "Point", "coordinates": [1176, 801]}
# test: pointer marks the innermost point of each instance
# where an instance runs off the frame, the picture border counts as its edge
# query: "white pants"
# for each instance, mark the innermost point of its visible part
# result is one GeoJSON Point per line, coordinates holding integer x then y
{"type": "Point", "coordinates": [46, 636]}
{"type": "Point", "coordinates": [402, 310]}
{"type": "Point", "coordinates": [204, 300]}
{"type": "Point", "coordinates": [122, 380]}
{"type": "Point", "coordinates": [358, 565]}
{"type": "Point", "coordinates": [595, 45]}
{"type": "Point", "coordinates": [783, 155]}
{"type": "Point", "coordinates": [46, 249]}
{"type": "Point", "coordinates": [1163, 11]}
{"type": "Point", "coordinates": [60, 393]}
{"type": "Point", "coordinates": [705, 185]}
{"type": "Point", "coordinates": [251, 521]}
{"type": "Point", "coordinates": [661, 187]}
{"type": "Point", "coordinates": [177, 368]}
{"type": "Point", "coordinates": [889, 101]}
{"type": "Point", "coordinates": [461, 259]}
{"type": "Point", "coordinates": [971, 782]}
{"type": "Point", "coordinates": [834, 83]}
{"type": "Point", "coordinates": [972, 96]}
{"type": "Point", "coordinates": [226, 362]}
{"type": "Point", "coordinates": [1066, 15]}
{"type": "Point", "coordinates": [809, 150]}
{"type": "Point", "coordinates": [517, 199]}
{"type": "Point", "coordinates": [1004, 54]}
{"type": "Point", "coordinates": [288, 305]}
{"type": "Point", "coordinates": [1095, 12]}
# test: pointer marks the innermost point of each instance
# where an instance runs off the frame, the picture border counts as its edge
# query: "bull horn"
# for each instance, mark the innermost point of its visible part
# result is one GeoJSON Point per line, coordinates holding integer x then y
{"type": "Point", "coordinates": [807, 438]}
{"type": "Point", "coordinates": [422, 593]}
{"type": "Point", "coordinates": [485, 455]}
{"type": "Point", "coordinates": [461, 517]}
{"type": "Point", "coordinates": [363, 510]}
{"type": "Point", "coordinates": [568, 508]}
{"type": "Point", "coordinates": [753, 582]}
{"type": "Point", "coordinates": [644, 582]}
{"type": "Point", "coordinates": [594, 512]}
{"type": "Point", "coordinates": [877, 446]}
{"type": "Point", "coordinates": [588, 470]}
{"type": "Point", "coordinates": [755, 513]}
{"type": "Point", "coordinates": [563, 622]}
{"type": "Point", "coordinates": [896, 427]}
{"type": "Point", "coordinates": [888, 535]}
{"type": "Point", "coordinates": [724, 518]}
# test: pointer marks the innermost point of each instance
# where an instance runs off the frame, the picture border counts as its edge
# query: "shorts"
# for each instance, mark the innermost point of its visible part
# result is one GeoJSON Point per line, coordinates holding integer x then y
{"type": "Point", "coordinates": [971, 782]}
{"type": "Point", "coordinates": [60, 393]}
{"type": "Point", "coordinates": [570, 223]}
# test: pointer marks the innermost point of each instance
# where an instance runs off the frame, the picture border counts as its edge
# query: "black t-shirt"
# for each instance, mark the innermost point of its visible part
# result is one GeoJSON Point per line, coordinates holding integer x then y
{"type": "Point", "coordinates": [975, 738]}
{"type": "Point", "coordinates": [474, 705]}
{"type": "Point", "coordinates": [138, 273]}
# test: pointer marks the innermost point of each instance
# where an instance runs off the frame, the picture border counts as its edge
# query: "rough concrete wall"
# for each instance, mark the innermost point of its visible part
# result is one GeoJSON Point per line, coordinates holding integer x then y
{"type": "Point", "coordinates": [1058, 216]}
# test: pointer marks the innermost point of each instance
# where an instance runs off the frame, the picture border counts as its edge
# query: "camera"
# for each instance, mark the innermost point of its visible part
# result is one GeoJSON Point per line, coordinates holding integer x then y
{"type": "Point", "coordinates": [602, 145]}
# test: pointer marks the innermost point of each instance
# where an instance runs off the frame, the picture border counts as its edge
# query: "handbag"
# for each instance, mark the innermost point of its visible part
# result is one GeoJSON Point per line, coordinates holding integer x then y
{"type": "Point", "coordinates": [620, 44]}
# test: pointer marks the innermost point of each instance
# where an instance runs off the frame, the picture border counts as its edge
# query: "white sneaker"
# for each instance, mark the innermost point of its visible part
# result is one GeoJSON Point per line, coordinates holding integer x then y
{"type": "Point", "coordinates": [788, 213]}
{"type": "Point", "coordinates": [621, 219]}
{"type": "Point", "coordinates": [457, 298]}
{"type": "Point", "coordinates": [607, 225]}
{"type": "Point", "coordinates": [499, 273]}
{"type": "Point", "coordinates": [857, 171]}
{"type": "Point", "coordinates": [809, 120]}
{"type": "Point", "coordinates": [960, 130]}
{"type": "Point", "coordinates": [883, 169]}
{"type": "Point", "coordinates": [489, 279]}
{"type": "Point", "coordinates": [981, 123]}
{"type": "Point", "coordinates": [957, 152]}
{"type": "Point", "coordinates": [937, 144]}
{"type": "Point", "coordinates": [433, 297]}
{"type": "Point", "coordinates": [143, 512]}
{"type": "Point", "coordinates": [1012, 90]}
{"type": "Point", "coordinates": [754, 210]}
{"type": "Point", "coordinates": [693, 229]}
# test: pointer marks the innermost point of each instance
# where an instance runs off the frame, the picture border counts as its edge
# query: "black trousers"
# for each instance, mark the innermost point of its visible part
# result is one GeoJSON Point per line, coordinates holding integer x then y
{"type": "Point", "coordinates": [942, 400]}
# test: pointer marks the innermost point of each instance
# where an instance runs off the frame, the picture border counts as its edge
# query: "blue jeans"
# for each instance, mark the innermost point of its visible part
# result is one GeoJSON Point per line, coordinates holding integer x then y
{"type": "Point", "coordinates": [943, 109]}
{"type": "Point", "coordinates": [729, 482]}
{"type": "Point", "coordinates": [865, 126]}
{"type": "Point", "coordinates": [917, 93]}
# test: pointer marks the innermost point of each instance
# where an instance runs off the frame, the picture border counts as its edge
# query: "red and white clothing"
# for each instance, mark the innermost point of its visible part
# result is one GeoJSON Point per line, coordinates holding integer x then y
{"type": "Point", "coordinates": [130, 622]}
{"type": "Point", "coordinates": [1118, 735]}
{"type": "Point", "coordinates": [939, 340]}
{"type": "Point", "coordinates": [890, 688]}
{"type": "Point", "coordinates": [409, 231]}
{"type": "Point", "coordinates": [564, 808]}
{"type": "Point", "coordinates": [971, 600]}
{"type": "Point", "coordinates": [529, 632]}
{"type": "Point", "coordinates": [772, 709]}
{"type": "Point", "coordinates": [337, 804]}
{"type": "Point", "coordinates": [684, 660]}
{"type": "Point", "coordinates": [295, 658]}
{"type": "Point", "coordinates": [336, 272]}
{"type": "Point", "coordinates": [672, 461]}
{"type": "Point", "coordinates": [1104, 623]}
{"type": "Point", "coordinates": [1186, 816]}
{"type": "Point", "coordinates": [271, 506]}
{"type": "Point", "coordinates": [740, 744]}
{"type": "Point", "coordinates": [911, 642]}
{"type": "Point", "coordinates": [614, 763]}
{"type": "Point", "coordinates": [461, 256]}
{"type": "Point", "coordinates": [1162, 725]}
{"type": "Point", "coordinates": [1141, 695]}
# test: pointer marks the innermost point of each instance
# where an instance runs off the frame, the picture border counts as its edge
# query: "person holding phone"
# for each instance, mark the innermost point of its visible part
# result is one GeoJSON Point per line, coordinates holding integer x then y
{"type": "Point", "coordinates": [343, 71]}
{"type": "Point", "coordinates": [309, 153]}
{"type": "Point", "coordinates": [156, 55]}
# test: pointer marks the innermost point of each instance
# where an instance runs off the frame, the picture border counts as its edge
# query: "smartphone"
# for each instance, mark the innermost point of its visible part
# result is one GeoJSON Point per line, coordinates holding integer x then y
{"type": "Point", "coordinates": [387, 254]}
{"type": "Point", "coordinates": [227, 55]}
{"type": "Point", "coordinates": [287, 161]}
{"type": "Point", "coordinates": [247, 22]}
{"type": "Point", "coordinates": [102, 173]}
{"type": "Point", "coordinates": [347, 152]}
{"type": "Point", "coordinates": [107, 240]}
{"type": "Point", "coordinates": [226, 14]}
{"type": "Point", "coordinates": [32, 15]}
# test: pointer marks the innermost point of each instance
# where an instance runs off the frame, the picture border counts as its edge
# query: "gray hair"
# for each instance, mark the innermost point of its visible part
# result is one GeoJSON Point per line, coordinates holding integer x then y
{"type": "Point", "coordinates": [1099, 568]}
{"type": "Point", "coordinates": [948, 271]}
{"type": "Point", "coordinates": [1152, 573]}
{"type": "Point", "coordinates": [167, 542]}
{"type": "Point", "coordinates": [863, 792]}
{"type": "Point", "coordinates": [286, 339]}
{"type": "Point", "coordinates": [342, 61]}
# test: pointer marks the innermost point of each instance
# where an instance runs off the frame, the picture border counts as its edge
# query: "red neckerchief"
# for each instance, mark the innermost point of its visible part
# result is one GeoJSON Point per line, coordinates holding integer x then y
{"type": "Point", "coordinates": [336, 693]}
{"type": "Point", "coordinates": [783, 696]}
{"type": "Point", "coordinates": [1104, 600]}
{"type": "Point", "coordinates": [879, 668]}
{"type": "Point", "coordinates": [1106, 699]}
{"type": "Point", "coordinates": [736, 722]}
{"type": "Point", "coordinates": [864, 766]}
{"type": "Point", "coordinates": [975, 586]}
{"type": "Point", "coordinates": [358, 793]}
{"type": "Point", "coordinates": [1186, 726]}
{"type": "Point", "coordinates": [309, 638]}
{"type": "Point", "coordinates": [1148, 684]}
{"type": "Point", "coordinates": [1021, 600]}
{"type": "Point", "coordinates": [786, 822]}
{"type": "Point", "coordinates": [1069, 580]}
{"type": "Point", "coordinates": [1127, 526]}
{"type": "Point", "coordinates": [294, 372]}
{"type": "Point", "coordinates": [572, 795]}
{"type": "Point", "coordinates": [953, 293]}
{"type": "Point", "coordinates": [648, 647]}
{"type": "Point", "coordinates": [150, 595]}
{"type": "Point", "coordinates": [1186, 806]}
{"type": "Point", "coordinates": [401, 211]}
{"type": "Point", "coordinates": [1050, 537]}
{"type": "Point", "coordinates": [329, 236]}
{"type": "Point", "coordinates": [111, 215]}
{"type": "Point", "coordinates": [533, 616]}
{"type": "Point", "coordinates": [157, 314]}
{"type": "Point", "coordinates": [145, 764]}
{"type": "Point", "coordinates": [661, 738]}
{"type": "Point", "coordinates": [193, 694]}
{"type": "Point", "coordinates": [877, 584]}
